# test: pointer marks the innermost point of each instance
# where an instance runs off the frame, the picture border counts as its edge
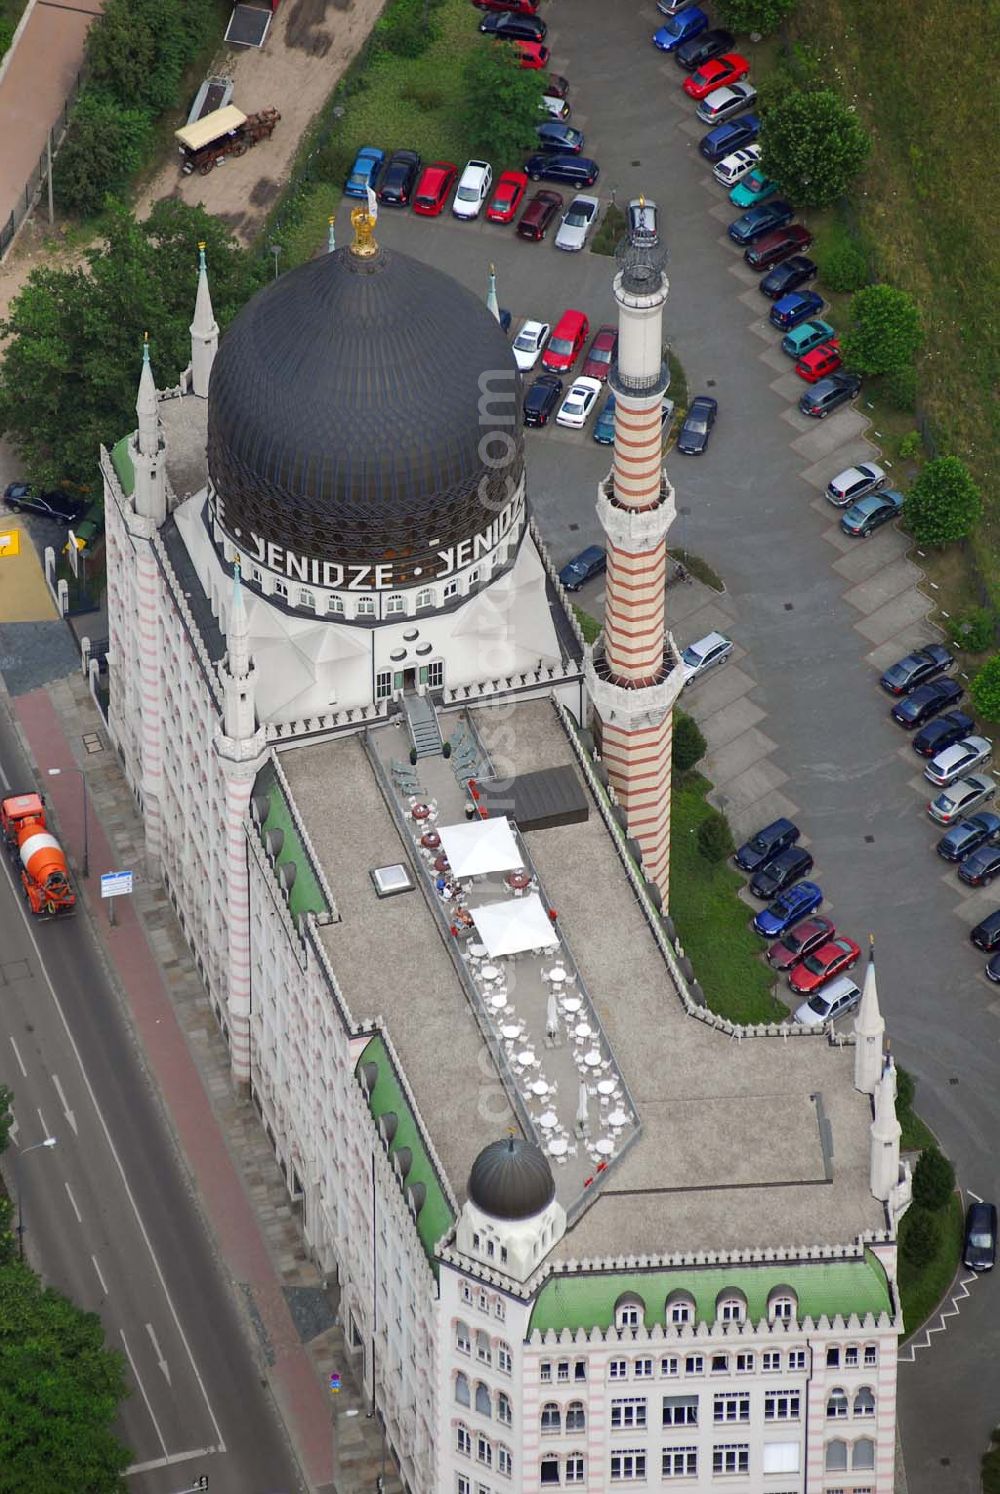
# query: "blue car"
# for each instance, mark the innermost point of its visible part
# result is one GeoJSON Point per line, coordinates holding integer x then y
{"type": "Point", "coordinates": [604, 426]}
{"type": "Point", "coordinates": [561, 138]}
{"type": "Point", "coordinates": [792, 309]}
{"type": "Point", "coordinates": [732, 135]}
{"type": "Point", "coordinates": [759, 221]}
{"type": "Point", "coordinates": [365, 172]}
{"type": "Point", "coordinates": [795, 903]}
{"type": "Point", "coordinates": [680, 28]}
{"type": "Point", "coordinates": [589, 562]}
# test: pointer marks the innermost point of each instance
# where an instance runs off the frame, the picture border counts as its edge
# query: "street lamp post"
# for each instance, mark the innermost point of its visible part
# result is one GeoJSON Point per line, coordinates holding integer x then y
{"type": "Point", "coordinates": [55, 773]}
{"type": "Point", "coordinates": [49, 1141]}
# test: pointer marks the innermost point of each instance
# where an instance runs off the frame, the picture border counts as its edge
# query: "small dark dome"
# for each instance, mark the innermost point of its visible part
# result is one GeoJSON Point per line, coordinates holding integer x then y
{"type": "Point", "coordinates": [364, 411]}
{"type": "Point", "coordinates": [511, 1179]}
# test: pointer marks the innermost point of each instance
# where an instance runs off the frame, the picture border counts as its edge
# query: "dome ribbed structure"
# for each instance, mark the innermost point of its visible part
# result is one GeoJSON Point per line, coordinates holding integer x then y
{"type": "Point", "coordinates": [511, 1179]}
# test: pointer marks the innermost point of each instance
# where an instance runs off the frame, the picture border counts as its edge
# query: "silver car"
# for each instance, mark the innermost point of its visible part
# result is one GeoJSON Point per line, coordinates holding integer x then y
{"type": "Point", "coordinates": [968, 794]}
{"type": "Point", "coordinates": [699, 657]}
{"type": "Point", "coordinates": [722, 103]}
{"type": "Point", "coordinates": [642, 222]}
{"type": "Point", "coordinates": [829, 1002]}
{"type": "Point", "coordinates": [578, 220]}
{"type": "Point", "coordinates": [954, 762]}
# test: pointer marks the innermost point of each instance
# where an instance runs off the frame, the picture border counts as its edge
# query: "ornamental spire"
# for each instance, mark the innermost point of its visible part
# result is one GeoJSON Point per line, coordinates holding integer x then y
{"type": "Point", "coordinates": [145, 406]}
{"type": "Point", "coordinates": [492, 304]}
{"type": "Point", "coordinates": [869, 1030]}
{"type": "Point", "coordinates": [204, 331]}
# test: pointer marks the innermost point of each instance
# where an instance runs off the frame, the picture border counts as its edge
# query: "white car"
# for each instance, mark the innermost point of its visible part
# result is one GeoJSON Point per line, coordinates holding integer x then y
{"type": "Point", "coordinates": [723, 103]}
{"type": "Point", "coordinates": [555, 107]}
{"type": "Point", "coordinates": [853, 483]}
{"type": "Point", "coordinates": [955, 762]}
{"type": "Point", "coordinates": [578, 219]}
{"type": "Point", "coordinates": [528, 344]}
{"type": "Point", "coordinates": [473, 189]}
{"type": "Point", "coordinates": [579, 402]}
{"type": "Point", "coordinates": [830, 1002]}
{"type": "Point", "coordinates": [699, 657]}
{"type": "Point", "coordinates": [962, 798]}
{"type": "Point", "coordinates": [732, 169]}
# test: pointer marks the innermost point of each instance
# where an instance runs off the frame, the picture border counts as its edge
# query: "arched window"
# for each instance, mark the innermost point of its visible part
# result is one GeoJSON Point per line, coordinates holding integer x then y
{"type": "Point", "coordinates": [731, 1307]}
{"type": "Point", "coordinates": [483, 1351]}
{"type": "Point", "coordinates": [463, 1439]}
{"type": "Point", "coordinates": [836, 1456]}
{"type": "Point", "coordinates": [864, 1401]}
{"type": "Point", "coordinates": [484, 1402]}
{"type": "Point", "coordinates": [394, 604]}
{"type": "Point", "coordinates": [462, 1341]}
{"type": "Point", "coordinates": [504, 1358]}
{"type": "Point", "coordinates": [551, 1418]}
{"type": "Point", "coordinates": [549, 1470]}
{"type": "Point", "coordinates": [504, 1412]}
{"type": "Point", "coordinates": [306, 599]}
{"type": "Point", "coordinates": [680, 1309]}
{"type": "Point", "coordinates": [574, 1468]}
{"type": "Point", "coordinates": [836, 1405]}
{"type": "Point", "coordinates": [628, 1311]}
{"type": "Point", "coordinates": [462, 1389]}
{"type": "Point", "coordinates": [425, 597]}
{"type": "Point", "coordinates": [781, 1305]}
{"type": "Point", "coordinates": [335, 605]}
{"type": "Point", "coordinates": [365, 607]}
{"type": "Point", "coordinates": [863, 1454]}
{"type": "Point", "coordinates": [505, 1462]}
{"type": "Point", "coordinates": [576, 1417]}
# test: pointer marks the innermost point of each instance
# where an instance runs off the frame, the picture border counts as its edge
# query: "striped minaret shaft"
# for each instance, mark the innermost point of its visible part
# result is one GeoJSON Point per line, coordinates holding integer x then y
{"type": "Point", "coordinates": [633, 673]}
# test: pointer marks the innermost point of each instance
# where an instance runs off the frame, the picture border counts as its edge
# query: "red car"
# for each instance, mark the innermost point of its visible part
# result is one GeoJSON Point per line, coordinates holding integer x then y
{"type": "Point", "coordinates": [555, 85]}
{"type": "Point", "coordinates": [601, 354]}
{"type": "Point", "coordinates": [507, 196]}
{"type": "Point", "coordinates": [531, 54]}
{"type": "Point", "coordinates": [801, 939]}
{"type": "Point", "coordinates": [567, 339]}
{"type": "Point", "coordinates": [538, 215]}
{"type": "Point", "coordinates": [820, 362]}
{"type": "Point", "coordinates": [827, 960]}
{"type": "Point", "coordinates": [518, 7]}
{"type": "Point", "coordinates": [436, 181]}
{"type": "Point", "coordinates": [716, 73]}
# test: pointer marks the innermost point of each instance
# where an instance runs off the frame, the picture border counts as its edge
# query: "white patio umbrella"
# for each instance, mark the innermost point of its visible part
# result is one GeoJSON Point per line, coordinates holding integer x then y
{"type": "Point", "coordinates": [509, 927]}
{"type": "Point", "coordinates": [583, 1106]}
{"type": "Point", "coordinates": [551, 1016]}
{"type": "Point", "coordinates": [479, 846]}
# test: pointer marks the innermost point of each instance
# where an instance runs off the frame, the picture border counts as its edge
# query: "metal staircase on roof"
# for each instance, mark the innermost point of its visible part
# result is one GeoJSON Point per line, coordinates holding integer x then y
{"type": "Point", "coordinates": [421, 719]}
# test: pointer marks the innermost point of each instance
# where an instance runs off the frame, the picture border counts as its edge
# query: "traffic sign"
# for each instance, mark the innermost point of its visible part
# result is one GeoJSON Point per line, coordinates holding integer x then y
{"type": "Point", "coordinates": [10, 542]}
{"type": "Point", "coordinates": [116, 884]}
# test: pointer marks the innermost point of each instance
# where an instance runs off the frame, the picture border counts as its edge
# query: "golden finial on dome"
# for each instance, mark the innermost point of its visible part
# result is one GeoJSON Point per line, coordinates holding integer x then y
{"type": "Point", "coordinates": [363, 223]}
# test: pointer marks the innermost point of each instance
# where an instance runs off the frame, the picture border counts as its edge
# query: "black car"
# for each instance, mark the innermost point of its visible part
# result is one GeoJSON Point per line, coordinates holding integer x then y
{"type": "Point", "coordinates": [829, 394]}
{"type": "Point", "coordinates": [944, 732]}
{"type": "Point", "coordinates": [512, 27]}
{"type": "Point", "coordinates": [780, 872]}
{"type": "Point", "coordinates": [766, 844]}
{"type": "Point", "coordinates": [697, 425]}
{"type": "Point", "coordinates": [541, 399]}
{"type": "Point", "coordinates": [787, 277]}
{"type": "Point", "coordinates": [903, 677]}
{"type": "Point", "coordinates": [49, 503]}
{"type": "Point", "coordinates": [979, 1252]}
{"type": "Point", "coordinates": [691, 54]}
{"type": "Point", "coordinates": [399, 178]}
{"type": "Point", "coordinates": [590, 562]}
{"type": "Point", "coordinates": [579, 171]}
{"type": "Point", "coordinates": [993, 970]}
{"type": "Point", "coordinates": [926, 701]}
{"type": "Point", "coordinates": [979, 868]}
{"type": "Point", "coordinates": [986, 935]}
{"type": "Point", "coordinates": [560, 138]}
{"type": "Point", "coordinates": [969, 835]}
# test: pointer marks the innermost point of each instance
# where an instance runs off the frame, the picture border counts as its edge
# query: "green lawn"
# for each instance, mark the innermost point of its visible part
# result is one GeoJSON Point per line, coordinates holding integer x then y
{"type": "Point", "coordinates": [921, 1290]}
{"type": "Point", "coordinates": [712, 923]}
{"type": "Point", "coordinates": [916, 1135]}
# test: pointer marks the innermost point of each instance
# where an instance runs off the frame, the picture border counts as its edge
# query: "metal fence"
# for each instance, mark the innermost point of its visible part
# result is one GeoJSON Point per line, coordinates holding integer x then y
{"type": "Point", "coordinates": [36, 181]}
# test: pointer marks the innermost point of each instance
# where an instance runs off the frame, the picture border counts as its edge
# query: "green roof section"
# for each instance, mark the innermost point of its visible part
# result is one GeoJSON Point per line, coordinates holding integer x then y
{"type": "Point", "coordinates": [586, 1299]}
{"type": "Point", "coordinates": [387, 1097]}
{"type": "Point", "coordinates": [306, 895]}
{"type": "Point", "coordinates": [121, 460]}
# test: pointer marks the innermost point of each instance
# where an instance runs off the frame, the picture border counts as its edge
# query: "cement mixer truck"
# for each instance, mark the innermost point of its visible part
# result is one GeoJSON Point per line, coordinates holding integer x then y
{"type": "Point", "coordinates": [37, 855]}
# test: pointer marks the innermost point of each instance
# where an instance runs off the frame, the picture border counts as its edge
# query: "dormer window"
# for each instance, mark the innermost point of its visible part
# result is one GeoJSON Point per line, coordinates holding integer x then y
{"type": "Point", "coordinates": [781, 1306]}
{"type": "Point", "coordinates": [394, 604]}
{"type": "Point", "coordinates": [629, 1312]}
{"type": "Point", "coordinates": [680, 1309]}
{"type": "Point", "coordinates": [731, 1308]}
{"type": "Point", "coordinates": [365, 607]}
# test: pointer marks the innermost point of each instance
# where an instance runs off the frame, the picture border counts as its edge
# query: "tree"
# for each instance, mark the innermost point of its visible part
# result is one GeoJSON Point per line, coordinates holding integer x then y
{"type": "Point", "coordinates": [6, 1122]}
{"type": "Point", "coordinates": [715, 839]}
{"type": "Point", "coordinates": [813, 145]}
{"type": "Point", "coordinates": [501, 103]}
{"type": "Point", "coordinates": [985, 690]}
{"type": "Point", "coordinates": [944, 503]}
{"type": "Point", "coordinates": [764, 16]}
{"type": "Point", "coordinates": [919, 1236]}
{"type": "Point", "coordinates": [906, 1088]}
{"type": "Point", "coordinates": [76, 335]}
{"type": "Point", "coordinates": [933, 1179]}
{"type": "Point", "coordinates": [885, 329]}
{"type": "Point", "coordinates": [138, 50]}
{"type": "Point", "coordinates": [60, 1390]}
{"type": "Point", "coordinates": [105, 144]}
{"type": "Point", "coordinates": [688, 745]}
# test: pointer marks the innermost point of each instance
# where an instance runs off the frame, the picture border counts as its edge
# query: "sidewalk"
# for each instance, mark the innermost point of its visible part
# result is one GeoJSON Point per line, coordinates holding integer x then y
{"type": "Point", "coordinates": [239, 1187]}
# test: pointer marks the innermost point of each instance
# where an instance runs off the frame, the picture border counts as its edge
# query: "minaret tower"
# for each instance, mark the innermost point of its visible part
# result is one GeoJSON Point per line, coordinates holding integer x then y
{"type": "Point", "coordinates": [633, 672]}
{"type": "Point", "coordinates": [240, 748]}
{"type": "Point", "coordinates": [869, 1032]}
{"type": "Point", "coordinates": [148, 448]}
{"type": "Point", "coordinates": [885, 1134]}
{"type": "Point", "coordinates": [204, 332]}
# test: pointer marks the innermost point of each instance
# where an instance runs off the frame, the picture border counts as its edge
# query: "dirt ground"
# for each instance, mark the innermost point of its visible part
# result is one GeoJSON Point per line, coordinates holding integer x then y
{"type": "Point", "coordinates": [308, 48]}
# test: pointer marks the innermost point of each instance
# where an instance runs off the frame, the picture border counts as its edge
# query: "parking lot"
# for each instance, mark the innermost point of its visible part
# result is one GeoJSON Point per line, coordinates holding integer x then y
{"type": "Point", "coordinates": [795, 722]}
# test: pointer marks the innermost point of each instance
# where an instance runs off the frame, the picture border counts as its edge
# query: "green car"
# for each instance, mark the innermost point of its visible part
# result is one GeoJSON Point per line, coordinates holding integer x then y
{"type": "Point", "coordinates": [755, 187]}
{"type": "Point", "coordinates": [809, 335]}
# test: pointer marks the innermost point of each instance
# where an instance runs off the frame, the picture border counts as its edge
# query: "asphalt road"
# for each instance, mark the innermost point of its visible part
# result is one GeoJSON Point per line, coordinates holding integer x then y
{"type": "Point", "coordinates": [745, 507]}
{"type": "Point", "coordinates": [108, 1215]}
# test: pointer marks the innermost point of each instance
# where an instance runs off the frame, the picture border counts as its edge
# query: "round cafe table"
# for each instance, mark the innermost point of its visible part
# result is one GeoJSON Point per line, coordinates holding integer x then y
{"type": "Point", "coordinates": [526, 1056]}
{"type": "Point", "coordinates": [498, 1000]}
{"type": "Point", "coordinates": [548, 1121]}
{"type": "Point", "coordinates": [606, 1086]}
{"type": "Point", "coordinates": [442, 864]}
{"type": "Point", "coordinates": [489, 972]}
{"type": "Point", "coordinates": [557, 975]}
{"type": "Point", "coordinates": [571, 1005]}
{"type": "Point", "coordinates": [604, 1145]}
{"type": "Point", "coordinates": [510, 1031]}
{"type": "Point", "coordinates": [592, 1059]}
{"type": "Point", "coordinates": [421, 812]}
{"type": "Point", "coordinates": [583, 1029]}
{"type": "Point", "coordinates": [539, 1087]}
{"type": "Point", "coordinates": [617, 1118]}
{"type": "Point", "coordinates": [558, 1146]}
{"type": "Point", "coordinates": [519, 879]}
{"type": "Point", "coordinates": [430, 840]}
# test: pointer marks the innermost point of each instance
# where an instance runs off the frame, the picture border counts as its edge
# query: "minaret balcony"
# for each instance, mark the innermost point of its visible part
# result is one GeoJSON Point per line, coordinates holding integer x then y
{"type": "Point", "coordinates": [639, 386]}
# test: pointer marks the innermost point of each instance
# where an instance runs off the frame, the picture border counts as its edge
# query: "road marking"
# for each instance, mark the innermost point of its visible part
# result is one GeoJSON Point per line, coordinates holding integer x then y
{"type": "Point", "coordinates": [76, 1211]}
{"type": "Point", "coordinates": [20, 1060]}
{"type": "Point", "coordinates": [164, 1366]}
{"type": "Point", "coordinates": [45, 1129]}
{"type": "Point", "coordinates": [3, 778]}
{"type": "Point", "coordinates": [185, 1457]}
{"type": "Point", "coordinates": [908, 1354]}
{"type": "Point", "coordinates": [970, 1194]}
{"type": "Point", "coordinates": [67, 1112]}
{"type": "Point", "coordinates": [220, 1443]}
{"type": "Point", "coordinates": [142, 1391]}
{"type": "Point", "coordinates": [104, 1285]}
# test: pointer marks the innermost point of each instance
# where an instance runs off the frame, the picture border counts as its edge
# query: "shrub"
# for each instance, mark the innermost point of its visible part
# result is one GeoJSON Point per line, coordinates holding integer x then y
{"type": "Point", "coordinates": [426, 96]}
{"type": "Point", "coordinates": [933, 1179]}
{"type": "Point", "coordinates": [405, 29]}
{"type": "Point", "coordinates": [920, 1235]}
{"type": "Point", "coordinates": [975, 630]}
{"type": "Point", "coordinates": [899, 388]}
{"type": "Point", "coordinates": [812, 144]}
{"type": "Point", "coordinates": [906, 1088]}
{"type": "Point", "coordinates": [910, 446]}
{"type": "Point", "coordinates": [715, 839]}
{"type": "Point", "coordinates": [104, 145]}
{"type": "Point", "coordinates": [764, 16]}
{"type": "Point", "coordinates": [501, 103]}
{"type": "Point", "coordinates": [844, 265]}
{"type": "Point", "coordinates": [985, 690]}
{"type": "Point", "coordinates": [944, 503]}
{"type": "Point", "coordinates": [138, 50]}
{"type": "Point", "coordinates": [6, 35]}
{"type": "Point", "coordinates": [885, 329]}
{"type": "Point", "coordinates": [689, 745]}
{"type": "Point", "coordinates": [611, 230]}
